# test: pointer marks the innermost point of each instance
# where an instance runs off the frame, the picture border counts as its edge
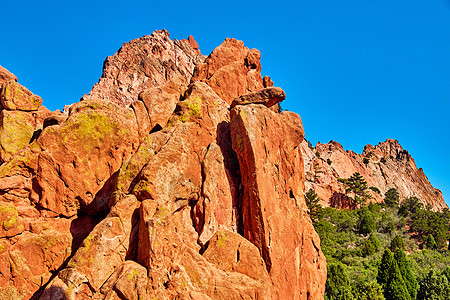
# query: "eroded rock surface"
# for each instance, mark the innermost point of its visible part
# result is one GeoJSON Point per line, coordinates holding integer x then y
{"type": "Point", "coordinates": [384, 166]}
{"type": "Point", "coordinates": [135, 192]}
{"type": "Point", "coordinates": [288, 245]}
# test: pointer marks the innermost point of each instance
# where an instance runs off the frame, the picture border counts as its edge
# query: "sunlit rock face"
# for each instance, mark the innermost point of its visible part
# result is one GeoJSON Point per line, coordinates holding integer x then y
{"type": "Point", "coordinates": [384, 166]}
{"type": "Point", "coordinates": [152, 187]}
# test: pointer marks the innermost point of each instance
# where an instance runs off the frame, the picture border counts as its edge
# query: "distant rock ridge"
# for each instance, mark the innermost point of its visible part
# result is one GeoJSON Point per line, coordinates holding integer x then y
{"type": "Point", "coordinates": [152, 187]}
{"type": "Point", "coordinates": [384, 166]}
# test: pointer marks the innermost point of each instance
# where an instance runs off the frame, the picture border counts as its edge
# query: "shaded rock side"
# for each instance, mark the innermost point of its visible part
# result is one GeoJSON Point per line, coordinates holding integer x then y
{"type": "Point", "coordinates": [275, 216]}
{"type": "Point", "coordinates": [144, 63]}
{"type": "Point", "coordinates": [384, 166]}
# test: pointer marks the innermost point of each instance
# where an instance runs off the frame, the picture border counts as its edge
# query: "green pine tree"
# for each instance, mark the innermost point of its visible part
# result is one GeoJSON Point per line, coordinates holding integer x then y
{"type": "Point", "coordinates": [431, 243]}
{"type": "Point", "coordinates": [405, 270]}
{"type": "Point", "coordinates": [312, 202]}
{"type": "Point", "coordinates": [338, 285]}
{"type": "Point", "coordinates": [390, 278]}
{"type": "Point", "coordinates": [367, 223]}
{"type": "Point", "coordinates": [357, 186]}
{"type": "Point", "coordinates": [397, 242]}
{"type": "Point", "coordinates": [434, 286]}
{"type": "Point", "coordinates": [391, 198]}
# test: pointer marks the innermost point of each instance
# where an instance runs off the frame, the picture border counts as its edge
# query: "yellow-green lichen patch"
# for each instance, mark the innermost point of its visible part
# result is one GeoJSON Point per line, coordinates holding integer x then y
{"type": "Point", "coordinates": [129, 170]}
{"type": "Point", "coordinates": [9, 215]}
{"type": "Point", "coordinates": [15, 133]}
{"type": "Point", "coordinates": [134, 273]}
{"type": "Point", "coordinates": [222, 239]}
{"type": "Point", "coordinates": [87, 242]}
{"type": "Point", "coordinates": [194, 104]}
{"type": "Point", "coordinates": [27, 158]}
{"type": "Point", "coordinates": [143, 188]}
{"type": "Point", "coordinates": [186, 117]}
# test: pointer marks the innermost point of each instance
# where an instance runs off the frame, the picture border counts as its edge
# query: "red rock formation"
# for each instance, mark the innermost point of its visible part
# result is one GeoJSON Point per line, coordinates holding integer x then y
{"type": "Point", "coordinates": [137, 193]}
{"type": "Point", "coordinates": [231, 70]}
{"type": "Point", "coordinates": [144, 63]}
{"type": "Point", "coordinates": [267, 145]}
{"type": "Point", "coordinates": [384, 166]}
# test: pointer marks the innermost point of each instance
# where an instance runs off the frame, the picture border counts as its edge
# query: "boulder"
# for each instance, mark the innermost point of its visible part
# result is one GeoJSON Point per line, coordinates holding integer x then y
{"type": "Point", "coordinates": [13, 96]}
{"type": "Point", "coordinates": [80, 157]}
{"type": "Point", "coordinates": [267, 96]}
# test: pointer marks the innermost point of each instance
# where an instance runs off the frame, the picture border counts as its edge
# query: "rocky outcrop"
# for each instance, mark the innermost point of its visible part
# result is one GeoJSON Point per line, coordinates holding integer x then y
{"type": "Point", "coordinates": [268, 96]}
{"type": "Point", "coordinates": [145, 63]}
{"type": "Point", "coordinates": [231, 70]}
{"type": "Point", "coordinates": [384, 166]}
{"type": "Point", "coordinates": [288, 245]}
{"type": "Point", "coordinates": [151, 188]}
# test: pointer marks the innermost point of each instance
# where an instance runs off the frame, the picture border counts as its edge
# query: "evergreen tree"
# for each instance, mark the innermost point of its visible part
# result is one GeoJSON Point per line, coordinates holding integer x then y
{"type": "Point", "coordinates": [391, 198]}
{"type": "Point", "coordinates": [434, 286]}
{"type": "Point", "coordinates": [312, 201]}
{"type": "Point", "coordinates": [371, 246]}
{"type": "Point", "coordinates": [366, 289]}
{"type": "Point", "coordinates": [367, 223]}
{"type": "Point", "coordinates": [405, 269]}
{"type": "Point", "coordinates": [431, 243]}
{"type": "Point", "coordinates": [358, 186]}
{"type": "Point", "coordinates": [338, 286]}
{"type": "Point", "coordinates": [390, 278]}
{"type": "Point", "coordinates": [397, 242]}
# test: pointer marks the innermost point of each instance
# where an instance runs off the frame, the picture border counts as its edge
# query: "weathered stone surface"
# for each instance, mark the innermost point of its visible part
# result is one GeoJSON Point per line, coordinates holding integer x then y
{"type": "Point", "coordinates": [148, 201]}
{"type": "Point", "coordinates": [160, 102]}
{"type": "Point", "coordinates": [231, 70]}
{"type": "Point", "coordinates": [276, 219]}
{"type": "Point", "coordinates": [102, 251]}
{"type": "Point", "coordinates": [388, 166]}
{"type": "Point", "coordinates": [268, 96]}
{"type": "Point", "coordinates": [144, 63]}
{"type": "Point", "coordinates": [16, 131]}
{"type": "Point", "coordinates": [80, 157]}
{"type": "Point", "coordinates": [16, 97]}
{"type": "Point", "coordinates": [232, 252]}
{"type": "Point", "coordinates": [6, 76]}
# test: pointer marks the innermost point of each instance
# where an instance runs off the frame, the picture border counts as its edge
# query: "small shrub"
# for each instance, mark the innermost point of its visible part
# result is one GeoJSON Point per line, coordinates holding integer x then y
{"type": "Point", "coordinates": [329, 161]}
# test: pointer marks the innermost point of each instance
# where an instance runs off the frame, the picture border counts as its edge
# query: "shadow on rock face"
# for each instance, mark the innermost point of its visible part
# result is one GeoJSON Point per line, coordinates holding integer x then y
{"type": "Point", "coordinates": [54, 293]}
{"type": "Point", "coordinates": [231, 164]}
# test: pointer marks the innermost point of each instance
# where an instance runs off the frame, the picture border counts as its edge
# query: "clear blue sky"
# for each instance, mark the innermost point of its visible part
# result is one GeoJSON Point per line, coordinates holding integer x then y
{"type": "Point", "coordinates": [358, 72]}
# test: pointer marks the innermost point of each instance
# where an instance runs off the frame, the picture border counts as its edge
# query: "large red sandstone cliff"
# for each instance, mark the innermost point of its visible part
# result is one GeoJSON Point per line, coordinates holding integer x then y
{"type": "Point", "coordinates": [384, 166]}
{"type": "Point", "coordinates": [175, 178]}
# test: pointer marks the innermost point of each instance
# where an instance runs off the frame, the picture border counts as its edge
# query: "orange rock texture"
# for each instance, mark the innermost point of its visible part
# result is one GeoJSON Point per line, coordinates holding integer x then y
{"type": "Point", "coordinates": [384, 166]}
{"type": "Point", "coordinates": [152, 187]}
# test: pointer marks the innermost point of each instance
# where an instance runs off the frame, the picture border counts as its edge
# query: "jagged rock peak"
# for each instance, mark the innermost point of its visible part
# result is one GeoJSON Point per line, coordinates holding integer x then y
{"type": "Point", "coordinates": [144, 63]}
{"type": "Point", "coordinates": [384, 166]}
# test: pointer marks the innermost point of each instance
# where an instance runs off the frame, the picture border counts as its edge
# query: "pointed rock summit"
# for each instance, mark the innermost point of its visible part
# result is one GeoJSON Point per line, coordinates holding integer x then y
{"type": "Point", "coordinates": [151, 187]}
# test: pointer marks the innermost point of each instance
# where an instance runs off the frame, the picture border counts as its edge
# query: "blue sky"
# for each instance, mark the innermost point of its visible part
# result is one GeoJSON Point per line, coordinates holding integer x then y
{"type": "Point", "coordinates": [357, 72]}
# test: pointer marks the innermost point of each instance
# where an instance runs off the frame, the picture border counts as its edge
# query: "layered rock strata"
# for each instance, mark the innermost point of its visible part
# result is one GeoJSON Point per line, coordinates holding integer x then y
{"type": "Point", "coordinates": [150, 187]}
{"type": "Point", "coordinates": [384, 166]}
